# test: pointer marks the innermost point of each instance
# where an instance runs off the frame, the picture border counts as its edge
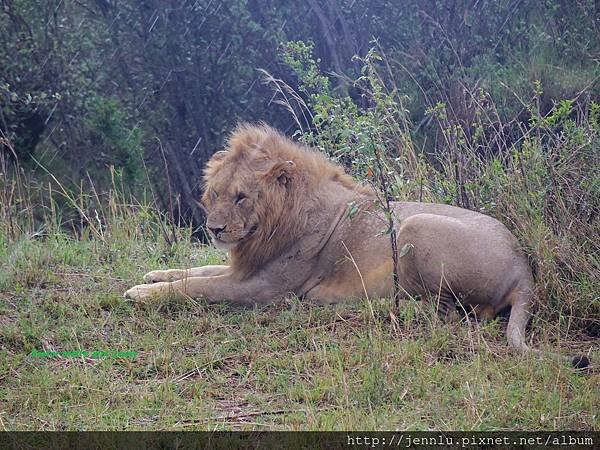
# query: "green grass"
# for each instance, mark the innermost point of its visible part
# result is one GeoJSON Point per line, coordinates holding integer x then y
{"type": "Point", "coordinates": [289, 366]}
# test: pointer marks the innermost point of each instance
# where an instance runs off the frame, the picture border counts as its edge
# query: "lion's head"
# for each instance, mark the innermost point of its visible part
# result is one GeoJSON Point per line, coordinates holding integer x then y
{"type": "Point", "coordinates": [231, 205]}
{"type": "Point", "coordinates": [257, 193]}
{"type": "Point", "coordinates": [244, 189]}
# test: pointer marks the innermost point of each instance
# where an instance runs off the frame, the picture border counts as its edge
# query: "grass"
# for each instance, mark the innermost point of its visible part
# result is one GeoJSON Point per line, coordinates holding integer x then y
{"type": "Point", "coordinates": [296, 365]}
{"type": "Point", "coordinates": [288, 366]}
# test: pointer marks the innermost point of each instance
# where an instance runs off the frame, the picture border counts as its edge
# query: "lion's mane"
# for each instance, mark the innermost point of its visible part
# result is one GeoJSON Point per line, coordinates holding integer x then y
{"type": "Point", "coordinates": [253, 151]}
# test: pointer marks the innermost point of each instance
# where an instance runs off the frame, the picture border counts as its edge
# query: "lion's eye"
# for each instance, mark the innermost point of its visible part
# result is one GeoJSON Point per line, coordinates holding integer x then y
{"type": "Point", "coordinates": [213, 194]}
{"type": "Point", "coordinates": [240, 198]}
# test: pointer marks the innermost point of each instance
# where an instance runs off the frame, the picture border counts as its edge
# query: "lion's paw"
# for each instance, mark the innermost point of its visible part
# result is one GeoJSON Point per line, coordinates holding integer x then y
{"type": "Point", "coordinates": [164, 275]}
{"type": "Point", "coordinates": [155, 276]}
{"type": "Point", "coordinates": [144, 291]}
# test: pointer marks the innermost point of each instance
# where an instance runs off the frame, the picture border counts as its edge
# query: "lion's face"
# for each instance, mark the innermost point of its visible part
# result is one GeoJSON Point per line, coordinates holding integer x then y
{"type": "Point", "coordinates": [230, 213]}
{"type": "Point", "coordinates": [241, 199]}
{"type": "Point", "coordinates": [245, 193]}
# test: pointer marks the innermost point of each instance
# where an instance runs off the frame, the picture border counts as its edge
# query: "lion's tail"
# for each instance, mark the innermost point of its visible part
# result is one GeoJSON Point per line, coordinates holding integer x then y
{"type": "Point", "coordinates": [520, 300]}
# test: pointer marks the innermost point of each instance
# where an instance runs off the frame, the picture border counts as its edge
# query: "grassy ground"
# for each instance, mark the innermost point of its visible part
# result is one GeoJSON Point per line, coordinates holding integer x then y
{"type": "Point", "coordinates": [288, 366]}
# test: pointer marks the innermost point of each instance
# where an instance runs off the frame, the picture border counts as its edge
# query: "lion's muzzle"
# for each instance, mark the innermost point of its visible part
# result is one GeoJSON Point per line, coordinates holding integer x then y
{"type": "Point", "coordinates": [217, 231]}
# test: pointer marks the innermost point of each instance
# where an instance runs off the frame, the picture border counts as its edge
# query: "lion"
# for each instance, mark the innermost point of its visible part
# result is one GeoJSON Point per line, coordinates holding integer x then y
{"type": "Point", "coordinates": [294, 223]}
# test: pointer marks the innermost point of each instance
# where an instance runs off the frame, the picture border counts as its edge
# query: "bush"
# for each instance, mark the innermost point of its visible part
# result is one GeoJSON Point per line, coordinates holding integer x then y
{"type": "Point", "coordinates": [120, 143]}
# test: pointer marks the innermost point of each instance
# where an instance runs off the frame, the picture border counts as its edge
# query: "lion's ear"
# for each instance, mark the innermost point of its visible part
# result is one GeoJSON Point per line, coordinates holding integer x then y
{"type": "Point", "coordinates": [280, 172]}
{"type": "Point", "coordinates": [218, 156]}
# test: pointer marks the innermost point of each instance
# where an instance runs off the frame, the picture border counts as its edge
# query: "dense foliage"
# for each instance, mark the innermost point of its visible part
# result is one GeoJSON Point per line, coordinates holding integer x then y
{"type": "Point", "coordinates": [97, 83]}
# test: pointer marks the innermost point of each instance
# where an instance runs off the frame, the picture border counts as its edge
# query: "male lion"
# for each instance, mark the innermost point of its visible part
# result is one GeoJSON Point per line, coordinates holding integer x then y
{"type": "Point", "coordinates": [283, 213]}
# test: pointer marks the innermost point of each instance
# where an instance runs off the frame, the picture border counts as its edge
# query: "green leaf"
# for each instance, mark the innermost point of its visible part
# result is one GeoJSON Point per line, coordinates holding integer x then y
{"type": "Point", "coordinates": [352, 210]}
{"type": "Point", "coordinates": [405, 249]}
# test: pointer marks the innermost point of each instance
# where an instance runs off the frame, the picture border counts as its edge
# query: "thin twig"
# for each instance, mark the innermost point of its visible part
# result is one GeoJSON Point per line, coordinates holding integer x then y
{"type": "Point", "coordinates": [246, 415]}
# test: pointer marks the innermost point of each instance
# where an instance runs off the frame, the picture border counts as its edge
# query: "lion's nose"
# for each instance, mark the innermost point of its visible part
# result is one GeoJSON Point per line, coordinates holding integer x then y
{"type": "Point", "coordinates": [217, 231]}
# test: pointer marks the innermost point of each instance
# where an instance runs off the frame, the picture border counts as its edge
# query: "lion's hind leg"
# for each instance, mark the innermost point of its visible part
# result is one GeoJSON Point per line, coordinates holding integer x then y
{"type": "Point", "coordinates": [170, 275]}
{"type": "Point", "coordinates": [445, 307]}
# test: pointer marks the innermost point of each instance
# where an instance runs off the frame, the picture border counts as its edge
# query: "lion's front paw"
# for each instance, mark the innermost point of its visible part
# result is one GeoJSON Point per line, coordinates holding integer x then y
{"type": "Point", "coordinates": [154, 276]}
{"type": "Point", "coordinates": [145, 291]}
{"type": "Point", "coordinates": [163, 275]}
